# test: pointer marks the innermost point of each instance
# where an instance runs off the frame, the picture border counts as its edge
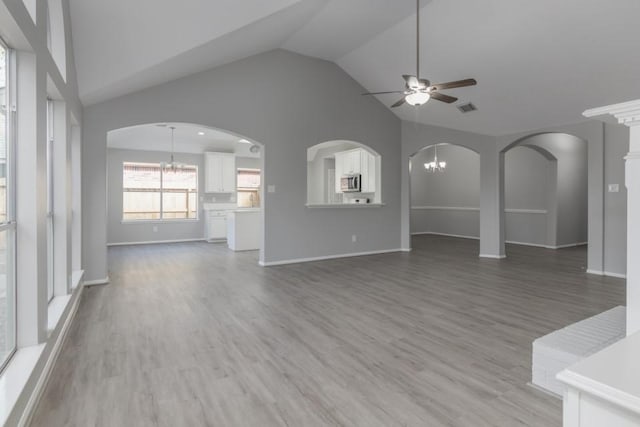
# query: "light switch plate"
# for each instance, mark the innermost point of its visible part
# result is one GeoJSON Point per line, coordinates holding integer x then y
{"type": "Point", "coordinates": [271, 188]}
{"type": "Point", "coordinates": [614, 188]}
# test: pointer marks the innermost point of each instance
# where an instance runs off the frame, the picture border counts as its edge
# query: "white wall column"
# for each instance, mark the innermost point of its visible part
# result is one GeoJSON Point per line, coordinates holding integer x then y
{"type": "Point", "coordinates": [628, 113]}
{"type": "Point", "coordinates": [76, 198]}
{"type": "Point", "coordinates": [31, 201]}
{"type": "Point", "coordinates": [61, 201]}
{"type": "Point", "coordinates": [492, 205]}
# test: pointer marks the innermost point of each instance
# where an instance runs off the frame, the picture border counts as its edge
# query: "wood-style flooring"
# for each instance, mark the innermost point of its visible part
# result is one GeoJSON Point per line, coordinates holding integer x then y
{"type": "Point", "coordinates": [195, 335]}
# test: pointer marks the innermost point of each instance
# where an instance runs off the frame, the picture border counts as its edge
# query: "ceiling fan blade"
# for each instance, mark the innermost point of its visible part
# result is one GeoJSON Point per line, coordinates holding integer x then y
{"type": "Point", "coordinates": [382, 93]}
{"type": "Point", "coordinates": [399, 103]}
{"type": "Point", "coordinates": [412, 81]}
{"type": "Point", "coordinates": [444, 98]}
{"type": "Point", "coordinates": [457, 83]}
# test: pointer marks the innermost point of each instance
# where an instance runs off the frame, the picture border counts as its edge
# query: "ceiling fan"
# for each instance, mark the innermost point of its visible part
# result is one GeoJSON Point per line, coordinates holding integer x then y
{"type": "Point", "coordinates": [418, 91]}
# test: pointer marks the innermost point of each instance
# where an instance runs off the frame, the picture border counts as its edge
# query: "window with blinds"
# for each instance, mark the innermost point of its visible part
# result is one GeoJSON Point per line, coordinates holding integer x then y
{"type": "Point", "coordinates": [248, 188]}
{"type": "Point", "coordinates": [151, 192]}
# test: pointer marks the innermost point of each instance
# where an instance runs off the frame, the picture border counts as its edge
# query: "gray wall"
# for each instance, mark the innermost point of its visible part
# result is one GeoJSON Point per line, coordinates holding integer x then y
{"type": "Point", "coordinates": [263, 98]}
{"type": "Point", "coordinates": [248, 162]}
{"type": "Point", "coordinates": [528, 177]}
{"type": "Point", "coordinates": [131, 232]}
{"type": "Point", "coordinates": [446, 202]}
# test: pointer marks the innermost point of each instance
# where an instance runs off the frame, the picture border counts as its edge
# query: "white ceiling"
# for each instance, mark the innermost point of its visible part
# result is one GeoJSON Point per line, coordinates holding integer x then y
{"type": "Point", "coordinates": [187, 139]}
{"type": "Point", "coordinates": [538, 63]}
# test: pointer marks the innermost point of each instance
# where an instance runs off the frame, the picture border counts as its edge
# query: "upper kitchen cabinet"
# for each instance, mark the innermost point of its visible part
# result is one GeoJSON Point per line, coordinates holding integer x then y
{"type": "Point", "coordinates": [220, 172]}
{"type": "Point", "coordinates": [343, 173]}
{"type": "Point", "coordinates": [356, 162]}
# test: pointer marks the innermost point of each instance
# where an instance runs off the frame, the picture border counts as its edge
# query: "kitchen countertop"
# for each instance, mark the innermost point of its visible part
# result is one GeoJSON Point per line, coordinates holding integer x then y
{"type": "Point", "coordinates": [241, 210]}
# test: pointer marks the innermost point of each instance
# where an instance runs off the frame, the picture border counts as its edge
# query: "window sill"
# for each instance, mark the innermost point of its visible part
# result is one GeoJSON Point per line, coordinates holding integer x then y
{"type": "Point", "coordinates": [345, 205]}
{"type": "Point", "coordinates": [157, 221]}
{"type": "Point", "coordinates": [15, 377]}
{"type": "Point", "coordinates": [55, 310]}
{"type": "Point", "coordinates": [76, 278]}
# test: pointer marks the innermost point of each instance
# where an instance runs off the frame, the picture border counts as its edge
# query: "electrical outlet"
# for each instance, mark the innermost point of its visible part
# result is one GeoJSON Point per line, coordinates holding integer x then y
{"type": "Point", "coordinates": [155, 228]}
{"type": "Point", "coordinates": [354, 238]}
{"type": "Point", "coordinates": [271, 188]}
{"type": "Point", "coordinates": [614, 188]}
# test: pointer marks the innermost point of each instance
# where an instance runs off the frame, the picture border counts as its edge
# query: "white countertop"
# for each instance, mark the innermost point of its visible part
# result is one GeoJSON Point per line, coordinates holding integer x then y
{"type": "Point", "coordinates": [612, 374]}
{"type": "Point", "coordinates": [246, 210]}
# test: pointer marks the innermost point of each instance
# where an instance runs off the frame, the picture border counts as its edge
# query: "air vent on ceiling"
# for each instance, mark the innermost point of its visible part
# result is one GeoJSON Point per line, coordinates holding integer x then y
{"type": "Point", "coordinates": [467, 108]}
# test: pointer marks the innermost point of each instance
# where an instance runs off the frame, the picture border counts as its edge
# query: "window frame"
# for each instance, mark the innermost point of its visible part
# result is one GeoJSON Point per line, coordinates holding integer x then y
{"type": "Point", "coordinates": [244, 190]}
{"type": "Point", "coordinates": [10, 223]}
{"type": "Point", "coordinates": [124, 220]}
{"type": "Point", "coordinates": [50, 197]}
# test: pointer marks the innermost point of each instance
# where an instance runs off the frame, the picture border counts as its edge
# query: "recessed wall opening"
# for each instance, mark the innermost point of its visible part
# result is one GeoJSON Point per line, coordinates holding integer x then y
{"type": "Point", "coordinates": [445, 191]}
{"type": "Point", "coordinates": [177, 182]}
{"type": "Point", "coordinates": [546, 192]}
{"type": "Point", "coordinates": [343, 172]}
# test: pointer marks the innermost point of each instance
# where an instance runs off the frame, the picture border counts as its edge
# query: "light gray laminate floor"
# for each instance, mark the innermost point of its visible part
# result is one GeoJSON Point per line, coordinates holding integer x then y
{"type": "Point", "coordinates": [192, 334]}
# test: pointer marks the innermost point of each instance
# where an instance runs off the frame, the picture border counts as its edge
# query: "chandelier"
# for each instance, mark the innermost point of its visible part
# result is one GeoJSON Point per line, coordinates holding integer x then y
{"type": "Point", "coordinates": [435, 165]}
{"type": "Point", "coordinates": [172, 166]}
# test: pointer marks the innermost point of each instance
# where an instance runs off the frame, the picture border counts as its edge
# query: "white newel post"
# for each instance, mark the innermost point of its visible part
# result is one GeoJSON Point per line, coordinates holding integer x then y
{"type": "Point", "coordinates": [628, 113]}
{"type": "Point", "coordinates": [602, 389]}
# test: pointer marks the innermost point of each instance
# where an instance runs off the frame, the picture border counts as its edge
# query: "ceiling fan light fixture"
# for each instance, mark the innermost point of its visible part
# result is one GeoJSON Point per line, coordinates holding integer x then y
{"type": "Point", "coordinates": [417, 98]}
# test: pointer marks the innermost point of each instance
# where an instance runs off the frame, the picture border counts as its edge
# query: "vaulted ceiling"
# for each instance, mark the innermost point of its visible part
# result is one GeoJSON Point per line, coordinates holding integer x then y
{"type": "Point", "coordinates": [538, 63]}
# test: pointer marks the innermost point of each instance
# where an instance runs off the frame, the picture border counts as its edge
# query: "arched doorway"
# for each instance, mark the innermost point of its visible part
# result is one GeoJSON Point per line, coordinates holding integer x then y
{"type": "Point", "coordinates": [175, 182]}
{"type": "Point", "coordinates": [444, 187]}
{"type": "Point", "coordinates": [545, 191]}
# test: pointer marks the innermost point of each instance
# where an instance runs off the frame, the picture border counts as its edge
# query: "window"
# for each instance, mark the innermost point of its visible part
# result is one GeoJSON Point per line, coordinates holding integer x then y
{"type": "Point", "coordinates": [151, 192]}
{"type": "Point", "coordinates": [248, 188]}
{"type": "Point", "coordinates": [7, 222]}
{"type": "Point", "coordinates": [50, 263]}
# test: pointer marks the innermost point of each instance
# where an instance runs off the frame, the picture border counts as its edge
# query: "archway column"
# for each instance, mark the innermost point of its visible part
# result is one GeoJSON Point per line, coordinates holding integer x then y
{"type": "Point", "coordinates": [628, 113]}
{"type": "Point", "coordinates": [492, 205]}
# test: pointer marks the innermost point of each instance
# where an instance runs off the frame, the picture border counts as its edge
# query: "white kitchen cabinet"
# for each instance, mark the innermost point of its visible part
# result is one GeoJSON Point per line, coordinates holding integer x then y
{"type": "Point", "coordinates": [220, 172]}
{"type": "Point", "coordinates": [216, 222]}
{"type": "Point", "coordinates": [357, 161]}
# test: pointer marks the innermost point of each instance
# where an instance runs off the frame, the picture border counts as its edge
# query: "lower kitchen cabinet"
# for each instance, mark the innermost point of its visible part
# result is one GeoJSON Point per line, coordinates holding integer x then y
{"type": "Point", "coordinates": [216, 223]}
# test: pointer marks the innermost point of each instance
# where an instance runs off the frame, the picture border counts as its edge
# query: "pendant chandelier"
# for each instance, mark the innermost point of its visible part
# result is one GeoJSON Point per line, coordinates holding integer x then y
{"type": "Point", "coordinates": [172, 166]}
{"type": "Point", "coordinates": [435, 165]}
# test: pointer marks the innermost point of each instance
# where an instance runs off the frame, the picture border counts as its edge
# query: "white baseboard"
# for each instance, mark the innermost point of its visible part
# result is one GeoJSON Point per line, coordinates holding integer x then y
{"type": "Point", "coordinates": [45, 375]}
{"type": "Point", "coordinates": [535, 245]}
{"type": "Point", "coordinates": [607, 273]}
{"type": "Point", "coordinates": [538, 245]}
{"type": "Point", "coordinates": [104, 281]}
{"type": "Point", "coordinates": [327, 257]}
{"type": "Point", "coordinates": [405, 249]}
{"type": "Point", "coordinates": [460, 236]}
{"type": "Point", "coordinates": [492, 256]}
{"type": "Point", "coordinates": [570, 245]}
{"type": "Point", "coordinates": [153, 242]}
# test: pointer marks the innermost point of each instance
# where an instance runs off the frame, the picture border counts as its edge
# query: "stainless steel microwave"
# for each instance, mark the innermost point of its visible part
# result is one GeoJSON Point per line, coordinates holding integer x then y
{"type": "Point", "coordinates": [351, 183]}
